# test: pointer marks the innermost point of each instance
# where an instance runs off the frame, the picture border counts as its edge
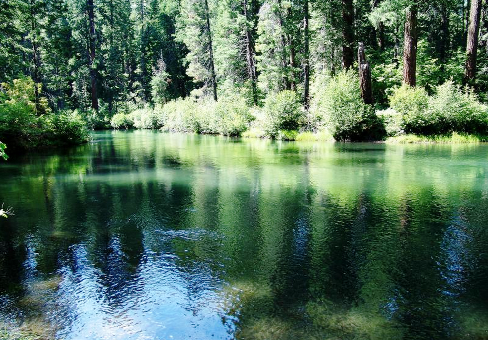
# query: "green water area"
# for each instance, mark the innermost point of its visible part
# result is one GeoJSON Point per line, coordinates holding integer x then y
{"type": "Point", "coordinates": [146, 235]}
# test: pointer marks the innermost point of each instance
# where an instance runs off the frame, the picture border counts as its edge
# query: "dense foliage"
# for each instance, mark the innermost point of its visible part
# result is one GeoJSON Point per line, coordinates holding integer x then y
{"type": "Point", "coordinates": [450, 109]}
{"type": "Point", "coordinates": [339, 107]}
{"type": "Point", "coordinates": [215, 66]}
{"type": "Point", "coordinates": [25, 123]}
{"type": "Point", "coordinates": [2, 151]}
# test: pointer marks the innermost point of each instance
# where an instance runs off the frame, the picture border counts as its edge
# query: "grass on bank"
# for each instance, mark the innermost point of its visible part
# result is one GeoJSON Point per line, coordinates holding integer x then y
{"type": "Point", "coordinates": [454, 138]}
{"type": "Point", "coordinates": [451, 115]}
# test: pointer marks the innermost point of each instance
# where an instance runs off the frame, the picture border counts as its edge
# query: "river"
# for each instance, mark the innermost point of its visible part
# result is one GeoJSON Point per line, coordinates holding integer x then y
{"type": "Point", "coordinates": [145, 235]}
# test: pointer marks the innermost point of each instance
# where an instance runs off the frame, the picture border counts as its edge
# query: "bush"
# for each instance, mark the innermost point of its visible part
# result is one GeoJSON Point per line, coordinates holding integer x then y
{"type": "Point", "coordinates": [282, 111]}
{"type": "Point", "coordinates": [392, 120]}
{"type": "Point", "coordinates": [18, 124]}
{"type": "Point", "coordinates": [2, 151]}
{"type": "Point", "coordinates": [25, 125]}
{"type": "Point", "coordinates": [455, 110]}
{"type": "Point", "coordinates": [450, 110]}
{"type": "Point", "coordinates": [339, 105]}
{"type": "Point", "coordinates": [144, 119]}
{"type": "Point", "coordinates": [122, 121]}
{"type": "Point", "coordinates": [179, 116]}
{"type": "Point", "coordinates": [66, 128]}
{"type": "Point", "coordinates": [95, 120]}
{"type": "Point", "coordinates": [411, 103]}
{"type": "Point", "coordinates": [232, 116]}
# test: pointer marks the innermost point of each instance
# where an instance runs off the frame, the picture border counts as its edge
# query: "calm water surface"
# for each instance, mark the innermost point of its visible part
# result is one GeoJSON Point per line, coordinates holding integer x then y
{"type": "Point", "coordinates": [142, 235]}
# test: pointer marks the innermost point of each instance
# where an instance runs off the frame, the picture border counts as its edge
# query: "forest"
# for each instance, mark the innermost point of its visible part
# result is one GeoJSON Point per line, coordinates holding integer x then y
{"type": "Point", "coordinates": [349, 70]}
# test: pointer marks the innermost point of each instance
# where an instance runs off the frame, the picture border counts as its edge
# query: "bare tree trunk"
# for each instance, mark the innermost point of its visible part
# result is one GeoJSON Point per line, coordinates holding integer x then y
{"type": "Point", "coordinates": [293, 82]}
{"type": "Point", "coordinates": [347, 34]}
{"type": "Point", "coordinates": [210, 51]}
{"type": "Point", "coordinates": [472, 42]}
{"type": "Point", "coordinates": [445, 41]}
{"type": "Point", "coordinates": [410, 47]}
{"type": "Point", "coordinates": [36, 62]}
{"type": "Point", "coordinates": [306, 57]}
{"type": "Point", "coordinates": [284, 63]}
{"type": "Point", "coordinates": [292, 62]}
{"type": "Point", "coordinates": [466, 20]}
{"type": "Point", "coordinates": [251, 52]}
{"type": "Point", "coordinates": [380, 31]}
{"type": "Point", "coordinates": [92, 39]}
{"type": "Point", "coordinates": [364, 76]}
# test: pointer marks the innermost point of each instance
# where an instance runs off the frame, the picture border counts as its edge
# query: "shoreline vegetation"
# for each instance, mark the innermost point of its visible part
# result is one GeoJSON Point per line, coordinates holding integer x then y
{"type": "Point", "coordinates": [337, 112]}
{"type": "Point", "coordinates": [282, 70]}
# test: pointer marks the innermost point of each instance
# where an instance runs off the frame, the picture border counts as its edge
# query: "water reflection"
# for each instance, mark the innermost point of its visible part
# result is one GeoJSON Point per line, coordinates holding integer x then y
{"type": "Point", "coordinates": [142, 235]}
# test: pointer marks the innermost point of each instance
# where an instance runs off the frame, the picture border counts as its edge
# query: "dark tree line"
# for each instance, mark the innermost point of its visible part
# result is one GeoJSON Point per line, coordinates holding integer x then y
{"type": "Point", "coordinates": [108, 55]}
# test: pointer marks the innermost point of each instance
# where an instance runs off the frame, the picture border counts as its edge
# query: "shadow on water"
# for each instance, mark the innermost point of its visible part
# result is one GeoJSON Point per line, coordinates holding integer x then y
{"type": "Point", "coordinates": [147, 235]}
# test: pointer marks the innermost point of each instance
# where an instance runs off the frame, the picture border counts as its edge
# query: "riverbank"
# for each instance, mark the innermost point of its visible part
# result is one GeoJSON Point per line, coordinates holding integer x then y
{"type": "Point", "coordinates": [336, 112]}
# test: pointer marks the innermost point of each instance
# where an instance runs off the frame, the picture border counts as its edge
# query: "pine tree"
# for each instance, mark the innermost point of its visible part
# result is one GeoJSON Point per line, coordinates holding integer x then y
{"type": "Point", "coordinates": [472, 40]}
{"type": "Point", "coordinates": [410, 46]}
{"type": "Point", "coordinates": [195, 31]}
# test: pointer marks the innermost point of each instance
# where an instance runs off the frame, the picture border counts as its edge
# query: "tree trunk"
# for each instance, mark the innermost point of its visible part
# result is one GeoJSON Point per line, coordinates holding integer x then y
{"type": "Point", "coordinates": [306, 57]}
{"type": "Point", "coordinates": [364, 76]}
{"type": "Point", "coordinates": [410, 47]}
{"type": "Point", "coordinates": [142, 42]}
{"type": "Point", "coordinates": [284, 62]}
{"type": "Point", "coordinates": [380, 31]}
{"type": "Point", "coordinates": [251, 52]}
{"type": "Point", "coordinates": [92, 39]}
{"type": "Point", "coordinates": [472, 42]}
{"type": "Point", "coordinates": [210, 52]}
{"type": "Point", "coordinates": [347, 34]}
{"type": "Point", "coordinates": [293, 82]}
{"type": "Point", "coordinates": [444, 37]}
{"type": "Point", "coordinates": [466, 20]}
{"type": "Point", "coordinates": [36, 62]}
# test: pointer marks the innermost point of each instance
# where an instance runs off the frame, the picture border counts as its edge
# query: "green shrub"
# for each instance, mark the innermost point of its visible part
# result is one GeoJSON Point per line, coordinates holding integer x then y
{"type": "Point", "coordinates": [66, 128]}
{"type": "Point", "coordinates": [121, 121]}
{"type": "Point", "coordinates": [18, 125]}
{"type": "Point", "coordinates": [338, 102]}
{"type": "Point", "coordinates": [412, 103]}
{"type": "Point", "coordinates": [385, 76]}
{"type": "Point", "coordinates": [95, 120]}
{"type": "Point", "coordinates": [22, 126]}
{"type": "Point", "coordinates": [20, 122]}
{"type": "Point", "coordinates": [282, 111]}
{"type": "Point", "coordinates": [232, 116]}
{"type": "Point", "coordinates": [450, 110]}
{"type": "Point", "coordinates": [144, 119]}
{"type": "Point", "coordinates": [392, 120]}
{"type": "Point", "coordinates": [205, 116]}
{"type": "Point", "coordinates": [288, 135]}
{"type": "Point", "coordinates": [455, 110]}
{"type": "Point", "coordinates": [159, 83]}
{"type": "Point", "coordinates": [307, 136]}
{"type": "Point", "coordinates": [179, 116]}
{"type": "Point", "coordinates": [2, 151]}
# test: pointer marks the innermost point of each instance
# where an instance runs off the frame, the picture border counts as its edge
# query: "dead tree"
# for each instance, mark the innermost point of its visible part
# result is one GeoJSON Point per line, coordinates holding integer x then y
{"type": "Point", "coordinates": [364, 76]}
